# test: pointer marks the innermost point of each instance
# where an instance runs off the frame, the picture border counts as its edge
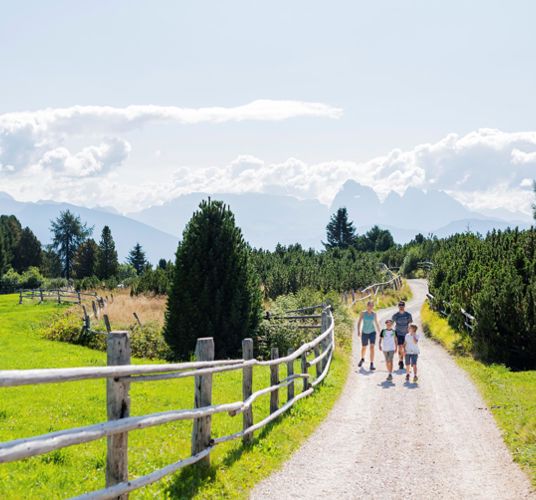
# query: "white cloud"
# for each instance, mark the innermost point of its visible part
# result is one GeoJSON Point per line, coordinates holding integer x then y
{"type": "Point", "coordinates": [486, 168]}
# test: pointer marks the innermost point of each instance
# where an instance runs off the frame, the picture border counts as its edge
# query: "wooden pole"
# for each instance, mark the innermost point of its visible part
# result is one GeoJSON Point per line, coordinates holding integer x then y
{"type": "Point", "coordinates": [137, 318]}
{"type": "Point", "coordinates": [118, 406]}
{"type": "Point", "coordinates": [204, 351]}
{"type": "Point", "coordinates": [107, 323]}
{"type": "Point", "coordinates": [290, 371]}
{"type": "Point", "coordinates": [247, 388]}
{"type": "Point", "coordinates": [274, 380]}
{"type": "Point", "coordinates": [316, 350]}
{"type": "Point", "coordinates": [87, 321]}
{"type": "Point", "coordinates": [41, 295]}
{"type": "Point", "coordinates": [325, 343]}
{"type": "Point", "coordinates": [79, 298]}
{"type": "Point", "coordinates": [20, 296]}
{"type": "Point", "coordinates": [304, 371]}
{"type": "Point", "coordinates": [94, 309]}
{"type": "Point", "coordinates": [59, 297]}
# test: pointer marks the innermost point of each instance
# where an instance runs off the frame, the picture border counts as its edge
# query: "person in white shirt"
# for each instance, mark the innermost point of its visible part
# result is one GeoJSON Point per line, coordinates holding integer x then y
{"type": "Point", "coordinates": [388, 345]}
{"type": "Point", "coordinates": [411, 348]}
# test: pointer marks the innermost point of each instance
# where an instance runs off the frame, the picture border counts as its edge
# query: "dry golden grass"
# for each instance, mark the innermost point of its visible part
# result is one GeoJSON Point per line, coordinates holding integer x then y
{"type": "Point", "coordinates": [120, 311]}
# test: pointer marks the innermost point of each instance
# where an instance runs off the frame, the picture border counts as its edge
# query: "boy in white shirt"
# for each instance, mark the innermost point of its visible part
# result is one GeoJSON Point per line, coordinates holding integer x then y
{"type": "Point", "coordinates": [388, 339]}
{"type": "Point", "coordinates": [411, 348]}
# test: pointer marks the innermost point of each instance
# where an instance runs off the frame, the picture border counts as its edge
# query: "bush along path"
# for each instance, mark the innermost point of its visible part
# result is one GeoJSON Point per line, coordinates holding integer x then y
{"type": "Point", "coordinates": [425, 440]}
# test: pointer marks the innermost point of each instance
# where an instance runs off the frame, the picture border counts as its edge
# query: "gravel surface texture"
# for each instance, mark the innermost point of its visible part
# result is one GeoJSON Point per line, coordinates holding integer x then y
{"type": "Point", "coordinates": [434, 439]}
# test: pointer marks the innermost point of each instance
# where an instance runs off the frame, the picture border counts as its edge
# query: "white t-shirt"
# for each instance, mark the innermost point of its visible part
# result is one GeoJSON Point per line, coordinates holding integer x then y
{"type": "Point", "coordinates": [388, 343]}
{"type": "Point", "coordinates": [412, 347]}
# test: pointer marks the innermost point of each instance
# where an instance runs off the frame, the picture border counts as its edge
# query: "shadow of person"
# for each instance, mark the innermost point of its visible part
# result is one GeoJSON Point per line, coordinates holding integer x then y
{"type": "Point", "coordinates": [410, 385]}
{"type": "Point", "coordinates": [362, 371]}
{"type": "Point", "coordinates": [387, 384]}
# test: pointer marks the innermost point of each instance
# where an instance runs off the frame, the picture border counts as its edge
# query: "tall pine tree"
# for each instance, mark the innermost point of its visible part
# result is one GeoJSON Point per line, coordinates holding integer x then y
{"type": "Point", "coordinates": [12, 231]}
{"type": "Point", "coordinates": [68, 233]}
{"type": "Point", "coordinates": [28, 251]}
{"type": "Point", "coordinates": [215, 291]}
{"type": "Point", "coordinates": [86, 258]}
{"type": "Point", "coordinates": [136, 258]}
{"type": "Point", "coordinates": [108, 264]}
{"type": "Point", "coordinates": [340, 231]}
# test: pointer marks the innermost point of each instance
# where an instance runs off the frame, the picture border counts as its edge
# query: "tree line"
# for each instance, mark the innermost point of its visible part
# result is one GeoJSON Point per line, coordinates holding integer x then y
{"type": "Point", "coordinates": [73, 256]}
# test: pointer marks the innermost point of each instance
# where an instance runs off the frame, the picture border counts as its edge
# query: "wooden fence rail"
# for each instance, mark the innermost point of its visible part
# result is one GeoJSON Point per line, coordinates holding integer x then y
{"type": "Point", "coordinates": [120, 375]}
{"type": "Point", "coordinates": [57, 295]}
{"type": "Point", "coordinates": [469, 319]}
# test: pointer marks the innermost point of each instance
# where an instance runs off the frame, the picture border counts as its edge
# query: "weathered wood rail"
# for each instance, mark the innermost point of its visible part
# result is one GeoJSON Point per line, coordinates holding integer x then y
{"type": "Point", "coordinates": [372, 290]}
{"type": "Point", "coordinates": [120, 375]}
{"type": "Point", "coordinates": [469, 319]}
{"type": "Point", "coordinates": [57, 295]}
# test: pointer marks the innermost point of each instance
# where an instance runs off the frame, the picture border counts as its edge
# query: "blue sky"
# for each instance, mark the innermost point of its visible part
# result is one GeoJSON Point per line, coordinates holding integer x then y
{"type": "Point", "coordinates": [404, 75]}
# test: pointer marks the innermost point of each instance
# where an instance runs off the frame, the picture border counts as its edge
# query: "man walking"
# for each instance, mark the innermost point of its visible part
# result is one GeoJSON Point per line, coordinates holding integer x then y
{"type": "Point", "coordinates": [402, 320]}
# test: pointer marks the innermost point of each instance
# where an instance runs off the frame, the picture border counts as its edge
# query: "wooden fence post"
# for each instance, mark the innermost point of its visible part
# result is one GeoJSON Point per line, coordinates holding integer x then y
{"type": "Point", "coordinates": [274, 380]}
{"type": "Point", "coordinates": [325, 342]}
{"type": "Point", "coordinates": [137, 318]}
{"type": "Point", "coordinates": [204, 351]}
{"type": "Point", "coordinates": [247, 388]}
{"type": "Point", "coordinates": [316, 350]}
{"type": "Point", "coordinates": [96, 314]}
{"type": "Point", "coordinates": [304, 371]}
{"type": "Point", "coordinates": [118, 406]}
{"type": "Point", "coordinates": [20, 296]}
{"type": "Point", "coordinates": [290, 372]}
{"type": "Point", "coordinates": [79, 298]}
{"type": "Point", "coordinates": [107, 323]}
{"type": "Point", "coordinates": [59, 297]}
{"type": "Point", "coordinates": [41, 295]}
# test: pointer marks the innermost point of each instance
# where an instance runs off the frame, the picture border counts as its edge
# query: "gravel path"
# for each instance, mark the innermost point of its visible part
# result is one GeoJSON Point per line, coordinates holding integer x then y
{"type": "Point", "coordinates": [431, 440]}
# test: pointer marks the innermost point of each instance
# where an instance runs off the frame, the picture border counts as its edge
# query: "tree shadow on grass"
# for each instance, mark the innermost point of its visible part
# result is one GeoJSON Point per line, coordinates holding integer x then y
{"type": "Point", "coordinates": [190, 480]}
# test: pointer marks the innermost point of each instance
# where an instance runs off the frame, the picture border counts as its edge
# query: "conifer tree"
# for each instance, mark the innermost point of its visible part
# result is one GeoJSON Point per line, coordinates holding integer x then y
{"type": "Point", "coordinates": [27, 252]}
{"type": "Point", "coordinates": [340, 231]}
{"type": "Point", "coordinates": [136, 258]}
{"type": "Point", "coordinates": [108, 264]}
{"type": "Point", "coordinates": [215, 291]}
{"type": "Point", "coordinates": [68, 234]}
{"type": "Point", "coordinates": [86, 258]}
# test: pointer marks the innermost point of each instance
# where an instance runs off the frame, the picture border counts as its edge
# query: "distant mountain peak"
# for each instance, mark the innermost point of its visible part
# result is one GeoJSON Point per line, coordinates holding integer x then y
{"type": "Point", "coordinates": [6, 196]}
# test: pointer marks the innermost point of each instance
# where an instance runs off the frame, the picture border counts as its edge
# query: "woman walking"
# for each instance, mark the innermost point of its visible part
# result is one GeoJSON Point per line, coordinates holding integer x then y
{"type": "Point", "coordinates": [367, 327]}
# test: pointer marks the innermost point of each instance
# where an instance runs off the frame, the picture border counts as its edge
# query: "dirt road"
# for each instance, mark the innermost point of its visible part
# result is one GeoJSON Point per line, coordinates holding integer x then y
{"type": "Point", "coordinates": [391, 441]}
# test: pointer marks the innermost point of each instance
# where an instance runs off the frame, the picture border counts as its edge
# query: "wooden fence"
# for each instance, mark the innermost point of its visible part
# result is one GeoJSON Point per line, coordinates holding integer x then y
{"type": "Point", "coordinates": [120, 374]}
{"type": "Point", "coordinates": [59, 295]}
{"type": "Point", "coordinates": [441, 308]}
{"type": "Point", "coordinates": [372, 290]}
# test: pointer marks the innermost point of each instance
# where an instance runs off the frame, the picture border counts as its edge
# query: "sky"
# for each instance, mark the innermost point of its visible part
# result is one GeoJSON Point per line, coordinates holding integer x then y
{"type": "Point", "coordinates": [131, 103]}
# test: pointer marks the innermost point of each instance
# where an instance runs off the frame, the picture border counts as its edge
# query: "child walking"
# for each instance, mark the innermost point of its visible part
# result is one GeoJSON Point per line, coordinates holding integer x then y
{"type": "Point", "coordinates": [388, 345]}
{"type": "Point", "coordinates": [411, 348]}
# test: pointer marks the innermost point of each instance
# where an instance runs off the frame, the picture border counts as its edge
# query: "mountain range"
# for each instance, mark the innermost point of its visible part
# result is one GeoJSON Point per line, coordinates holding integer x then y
{"type": "Point", "coordinates": [268, 219]}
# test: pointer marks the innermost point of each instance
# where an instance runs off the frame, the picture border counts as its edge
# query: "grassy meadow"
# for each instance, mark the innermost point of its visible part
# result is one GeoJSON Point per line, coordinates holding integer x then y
{"type": "Point", "coordinates": [511, 396]}
{"type": "Point", "coordinates": [30, 411]}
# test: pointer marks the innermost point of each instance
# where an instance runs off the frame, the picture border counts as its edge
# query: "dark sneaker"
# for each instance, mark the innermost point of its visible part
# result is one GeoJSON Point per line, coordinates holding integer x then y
{"type": "Point", "coordinates": [415, 379]}
{"type": "Point", "coordinates": [360, 364]}
{"type": "Point", "coordinates": [407, 377]}
{"type": "Point", "coordinates": [401, 365]}
{"type": "Point", "coordinates": [390, 377]}
{"type": "Point", "coordinates": [372, 368]}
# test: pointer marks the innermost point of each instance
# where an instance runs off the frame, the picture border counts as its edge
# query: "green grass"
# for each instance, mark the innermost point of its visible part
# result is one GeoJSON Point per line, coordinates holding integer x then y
{"type": "Point", "coordinates": [30, 411]}
{"type": "Point", "coordinates": [511, 396]}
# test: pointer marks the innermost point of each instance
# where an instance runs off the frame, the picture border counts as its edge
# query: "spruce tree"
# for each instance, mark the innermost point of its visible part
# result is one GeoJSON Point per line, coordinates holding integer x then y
{"type": "Point", "coordinates": [12, 231]}
{"type": "Point", "coordinates": [68, 233]}
{"type": "Point", "coordinates": [136, 258]}
{"type": "Point", "coordinates": [340, 231]}
{"type": "Point", "coordinates": [215, 292]}
{"type": "Point", "coordinates": [50, 263]}
{"type": "Point", "coordinates": [86, 258]}
{"type": "Point", "coordinates": [27, 252]}
{"type": "Point", "coordinates": [108, 263]}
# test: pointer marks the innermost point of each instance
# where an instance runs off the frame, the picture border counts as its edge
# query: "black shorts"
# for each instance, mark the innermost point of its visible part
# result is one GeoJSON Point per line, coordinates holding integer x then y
{"type": "Point", "coordinates": [400, 339]}
{"type": "Point", "coordinates": [368, 337]}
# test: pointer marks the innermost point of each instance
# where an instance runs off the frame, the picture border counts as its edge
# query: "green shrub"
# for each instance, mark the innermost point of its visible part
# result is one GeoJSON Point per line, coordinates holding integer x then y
{"type": "Point", "coordinates": [145, 341]}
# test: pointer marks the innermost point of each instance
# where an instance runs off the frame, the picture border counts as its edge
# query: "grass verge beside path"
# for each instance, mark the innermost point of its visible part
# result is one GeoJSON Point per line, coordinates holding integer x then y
{"type": "Point", "coordinates": [511, 396]}
{"type": "Point", "coordinates": [34, 410]}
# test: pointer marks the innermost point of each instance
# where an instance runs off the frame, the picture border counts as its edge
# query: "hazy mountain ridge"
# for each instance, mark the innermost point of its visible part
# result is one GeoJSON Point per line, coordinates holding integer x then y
{"type": "Point", "coordinates": [268, 219]}
{"type": "Point", "coordinates": [126, 232]}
